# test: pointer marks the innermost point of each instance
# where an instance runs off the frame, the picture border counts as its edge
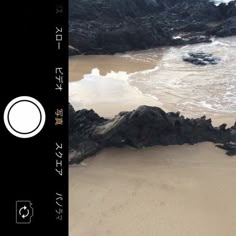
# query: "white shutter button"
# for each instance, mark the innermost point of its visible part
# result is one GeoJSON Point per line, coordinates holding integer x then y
{"type": "Point", "coordinates": [24, 117]}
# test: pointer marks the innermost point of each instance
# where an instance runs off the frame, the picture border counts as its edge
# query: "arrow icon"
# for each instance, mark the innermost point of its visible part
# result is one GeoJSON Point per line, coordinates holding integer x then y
{"type": "Point", "coordinates": [24, 208]}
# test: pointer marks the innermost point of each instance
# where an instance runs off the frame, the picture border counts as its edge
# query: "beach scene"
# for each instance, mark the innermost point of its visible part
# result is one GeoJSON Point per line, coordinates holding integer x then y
{"type": "Point", "coordinates": [146, 121]}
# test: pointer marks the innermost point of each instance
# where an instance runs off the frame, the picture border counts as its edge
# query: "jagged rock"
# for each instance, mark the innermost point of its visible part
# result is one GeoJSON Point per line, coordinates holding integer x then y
{"type": "Point", "coordinates": [111, 26]}
{"type": "Point", "coordinates": [227, 28]}
{"type": "Point", "coordinates": [71, 111]}
{"type": "Point", "coordinates": [229, 10]}
{"type": "Point", "coordinates": [230, 147]}
{"type": "Point", "coordinates": [201, 58]}
{"type": "Point", "coordinates": [145, 126]}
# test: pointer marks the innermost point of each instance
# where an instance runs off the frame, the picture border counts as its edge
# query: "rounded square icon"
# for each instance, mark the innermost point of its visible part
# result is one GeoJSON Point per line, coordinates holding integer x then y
{"type": "Point", "coordinates": [24, 212]}
{"type": "Point", "coordinates": [24, 117]}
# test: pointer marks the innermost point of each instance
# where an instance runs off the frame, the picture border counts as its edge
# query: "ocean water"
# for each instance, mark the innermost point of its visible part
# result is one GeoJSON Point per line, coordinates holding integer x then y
{"type": "Point", "coordinates": [217, 2]}
{"type": "Point", "coordinates": [200, 88]}
{"type": "Point", "coordinates": [171, 83]}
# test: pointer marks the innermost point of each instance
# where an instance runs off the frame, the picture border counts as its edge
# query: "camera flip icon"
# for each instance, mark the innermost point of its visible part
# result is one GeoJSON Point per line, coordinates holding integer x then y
{"type": "Point", "coordinates": [24, 212]}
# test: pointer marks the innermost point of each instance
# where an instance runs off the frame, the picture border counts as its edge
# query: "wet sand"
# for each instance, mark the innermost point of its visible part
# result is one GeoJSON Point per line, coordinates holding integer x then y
{"type": "Point", "coordinates": [80, 65]}
{"type": "Point", "coordinates": [186, 190]}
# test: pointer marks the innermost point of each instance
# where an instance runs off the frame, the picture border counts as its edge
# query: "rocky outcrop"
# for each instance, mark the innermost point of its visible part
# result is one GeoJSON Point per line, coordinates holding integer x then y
{"type": "Point", "coordinates": [145, 126]}
{"type": "Point", "coordinates": [227, 28]}
{"type": "Point", "coordinates": [229, 147]}
{"type": "Point", "coordinates": [110, 26]}
{"type": "Point", "coordinates": [201, 58]}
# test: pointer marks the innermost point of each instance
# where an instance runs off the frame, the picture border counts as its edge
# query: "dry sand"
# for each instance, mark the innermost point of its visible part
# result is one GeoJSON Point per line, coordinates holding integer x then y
{"type": "Point", "coordinates": [159, 191]}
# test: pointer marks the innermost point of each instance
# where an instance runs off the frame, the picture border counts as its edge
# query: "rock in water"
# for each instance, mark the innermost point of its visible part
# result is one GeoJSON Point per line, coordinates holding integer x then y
{"type": "Point", "coordinates": [145, 126]}
{"type": "Point", "coordinates": [201, 58]}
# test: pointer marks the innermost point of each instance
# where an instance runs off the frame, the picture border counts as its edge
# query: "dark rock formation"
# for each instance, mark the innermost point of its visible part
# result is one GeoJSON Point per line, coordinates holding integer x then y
{"type": "Point", "coordinates": [228, 10]}
{"type": "Point", "coordinates": [145, 126]}
{"type": "Point", "coordinates": [110, 26]}
{"type": "Point", "coordinates": [230, 147]}
{"type": "Point", "coordinates": [227, 28]}
{"type": "Point", "coordinates": [201, 58]}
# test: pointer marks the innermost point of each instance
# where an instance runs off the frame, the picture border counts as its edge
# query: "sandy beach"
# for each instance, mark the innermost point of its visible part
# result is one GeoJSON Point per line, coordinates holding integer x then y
{"type": "Point", "coordinates": [186, 190]}
{"type": "Point", "coordinates": [165, 191]}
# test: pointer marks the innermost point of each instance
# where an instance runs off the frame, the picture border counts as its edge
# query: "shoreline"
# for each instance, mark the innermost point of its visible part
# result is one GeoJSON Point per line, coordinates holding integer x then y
{"type": "Point", "coordinates": [103, 27]}
{"type": "Point", "coordinates": [160, 190]}
{"type": "Point", "coordinates": [81, 65]}
{"type": "Point", "coordinates": [112, 88]}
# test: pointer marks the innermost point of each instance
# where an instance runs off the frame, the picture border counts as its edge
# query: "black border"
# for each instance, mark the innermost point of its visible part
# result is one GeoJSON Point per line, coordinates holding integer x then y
{"type": "Point", "coordinates": [28, 34]}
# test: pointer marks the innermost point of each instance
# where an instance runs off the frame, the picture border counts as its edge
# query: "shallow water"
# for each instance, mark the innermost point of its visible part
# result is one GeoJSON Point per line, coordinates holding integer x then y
{"type": "Point", "coordinates": [169, 82]}
{"type": "Point", "coordinates": [198, 89]}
